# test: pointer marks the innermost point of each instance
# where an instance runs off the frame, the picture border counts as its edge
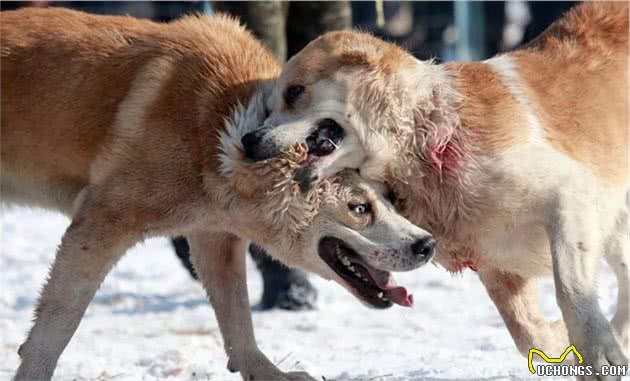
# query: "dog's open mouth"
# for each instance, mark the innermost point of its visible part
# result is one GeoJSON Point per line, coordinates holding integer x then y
{"type": "Point", "coordinates": [375, 287]}
{"type": "Point", "coordinates": [325, 139]}
{"type": "Point", "coordinates": [322, 142]}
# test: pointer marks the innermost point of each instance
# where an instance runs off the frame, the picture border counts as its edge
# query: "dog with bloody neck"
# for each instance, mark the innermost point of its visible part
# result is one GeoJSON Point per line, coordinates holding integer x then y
{"type": "Point", "coordinates": [518, 164]}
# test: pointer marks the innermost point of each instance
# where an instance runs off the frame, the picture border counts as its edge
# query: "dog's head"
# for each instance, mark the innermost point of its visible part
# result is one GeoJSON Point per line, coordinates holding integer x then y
{"type": "Point", "coordinates": [342, 228]}
{"type": "Point", "coordinates": [359, 238]}
{"type": "Point", "coordinates": [354, 100]}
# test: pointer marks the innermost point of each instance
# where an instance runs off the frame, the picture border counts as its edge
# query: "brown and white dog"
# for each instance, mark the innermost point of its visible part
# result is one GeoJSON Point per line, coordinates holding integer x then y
{"type": "Point", "coordinates": [518, 164]}
{"type": "Point", "coordinates": [119, 123]}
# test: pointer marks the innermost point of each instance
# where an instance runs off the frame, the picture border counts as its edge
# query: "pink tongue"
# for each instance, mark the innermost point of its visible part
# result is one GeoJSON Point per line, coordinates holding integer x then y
{"type": "Point", "coordinates": [391, 290]}
{"type": "Point", "coordinates": [399, 295]}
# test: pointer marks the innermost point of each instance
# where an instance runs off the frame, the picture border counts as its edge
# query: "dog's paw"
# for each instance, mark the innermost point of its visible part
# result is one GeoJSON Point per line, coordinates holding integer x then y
{"type": "Point", "coordinates": [35, 364]}
{"type": "Point", "coordinates": [254, 365]}
{"type": "Point", "coordinates": [600, 351]}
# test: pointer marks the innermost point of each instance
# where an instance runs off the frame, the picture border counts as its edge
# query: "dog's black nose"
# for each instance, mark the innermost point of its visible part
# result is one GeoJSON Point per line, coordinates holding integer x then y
{"type": "Point", "coordinates": [250, 142]}
{"type": "Point", "coordinates": [423, 247]}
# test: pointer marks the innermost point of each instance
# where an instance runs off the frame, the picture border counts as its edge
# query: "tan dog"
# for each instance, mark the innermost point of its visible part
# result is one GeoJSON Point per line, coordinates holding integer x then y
{"type": "Point", "coordinates": [518, 165]}
{"type": "Point", "coordinates": [119, 123]}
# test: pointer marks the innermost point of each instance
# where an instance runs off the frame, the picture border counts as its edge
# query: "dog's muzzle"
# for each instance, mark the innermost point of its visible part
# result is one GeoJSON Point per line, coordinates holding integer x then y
{"type": "Point", "coordinates": [323, 140]}
{"type": "Point", "coordinates": [326, 137]}
{"type": "Point", "coordinates": [423, 248]}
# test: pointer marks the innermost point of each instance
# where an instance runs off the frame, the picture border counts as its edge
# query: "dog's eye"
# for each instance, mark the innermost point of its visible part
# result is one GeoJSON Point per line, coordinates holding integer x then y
{"type": "Point", "coordinates": [359, 208]}
{"type": "Point", "coordinates": [292, 93]}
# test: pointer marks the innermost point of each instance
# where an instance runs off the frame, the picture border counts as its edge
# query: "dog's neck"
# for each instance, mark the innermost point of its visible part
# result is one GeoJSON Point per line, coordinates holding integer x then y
{"type": "Point", "coordinates": [446, 190]}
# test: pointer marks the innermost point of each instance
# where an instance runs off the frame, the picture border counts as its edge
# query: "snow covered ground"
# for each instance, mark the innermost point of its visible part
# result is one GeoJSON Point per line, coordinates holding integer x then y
{"type": "Point", "coordinates": [150, 321]}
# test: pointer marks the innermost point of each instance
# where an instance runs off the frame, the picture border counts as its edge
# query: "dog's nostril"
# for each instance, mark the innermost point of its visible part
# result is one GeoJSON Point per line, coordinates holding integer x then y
{"type": "Point", "coordinates": [423, 247]}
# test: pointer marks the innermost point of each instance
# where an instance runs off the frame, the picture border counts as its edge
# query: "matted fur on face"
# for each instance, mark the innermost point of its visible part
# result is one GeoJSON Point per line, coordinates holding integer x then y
{"type": "Point", "coordinates": [270, 184]}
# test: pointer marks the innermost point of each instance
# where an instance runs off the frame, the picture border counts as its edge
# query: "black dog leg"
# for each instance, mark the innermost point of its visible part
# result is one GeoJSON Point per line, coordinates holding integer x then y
{"type": "Point", "coordinates": [183, 253]}
{"type": "Point", "coordinates": [283, 287]}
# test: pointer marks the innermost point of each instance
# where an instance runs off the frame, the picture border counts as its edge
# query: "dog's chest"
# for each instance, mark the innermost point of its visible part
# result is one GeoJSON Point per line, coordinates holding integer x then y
{"type": "Point", "coordinates": [520, 248]}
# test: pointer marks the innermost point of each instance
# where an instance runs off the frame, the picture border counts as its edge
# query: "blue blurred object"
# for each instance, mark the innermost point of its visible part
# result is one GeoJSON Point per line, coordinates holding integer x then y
{"type": "Point", "coordinates": [469, 22]}
{"type": "Point", "coordinates": [163, 11]}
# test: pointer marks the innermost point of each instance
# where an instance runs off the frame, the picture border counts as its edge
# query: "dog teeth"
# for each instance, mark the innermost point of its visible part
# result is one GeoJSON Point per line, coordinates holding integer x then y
{"type": "Point", "coordinates": [349, 266]}
{"type": "Point", "coordinates": [380, 295]}
{"type": "Point", "coordinates": [346, 262]}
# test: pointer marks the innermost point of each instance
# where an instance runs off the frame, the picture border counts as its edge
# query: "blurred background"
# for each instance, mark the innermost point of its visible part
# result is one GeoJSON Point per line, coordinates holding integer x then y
{"type": "Point", "coordinates": [445, 30]}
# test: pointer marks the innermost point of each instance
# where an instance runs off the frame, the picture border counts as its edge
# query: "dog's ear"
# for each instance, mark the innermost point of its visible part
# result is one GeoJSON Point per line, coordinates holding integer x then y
{"type": "Point", "coordinates": [437, 121]}
{"type": "Point", "coordinates": [355, 58]}
{"type": "Point", "coordinates": [434, 108]}
{"type": "Point", "coordinates": [362, 49]}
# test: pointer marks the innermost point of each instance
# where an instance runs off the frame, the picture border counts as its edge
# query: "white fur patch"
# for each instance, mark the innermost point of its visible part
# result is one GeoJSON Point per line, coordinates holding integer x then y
{"type": "Point", "coordinates": [242, 121]}
{"type": "Point", "coordinates": [421, 79]}
{"type": "Point", "coordinates": [128, 125]}
{"type": "Point", "coordinates": [504, 66]}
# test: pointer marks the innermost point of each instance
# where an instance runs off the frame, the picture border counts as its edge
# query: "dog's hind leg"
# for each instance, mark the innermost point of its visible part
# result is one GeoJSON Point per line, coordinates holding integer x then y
{"type": "Point", "coordinates": [618, 257]}
{"type": "Point", "coordinates": [94, 241]}
{"type": "Point", "coordinates": [574, 226]}
{"type": "Point", "coordinates": [220, 263]}
{"type": "Point", "coordinates": [516, 299]}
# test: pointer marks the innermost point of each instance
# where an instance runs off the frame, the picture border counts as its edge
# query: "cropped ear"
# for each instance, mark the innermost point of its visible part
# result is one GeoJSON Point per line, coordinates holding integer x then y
{"type": "Point", "coordinates": [437, 122]}
{"type": "Point", "coordinates": [355, 58]}
{"type": "Point", "coordinates": [434, 110]}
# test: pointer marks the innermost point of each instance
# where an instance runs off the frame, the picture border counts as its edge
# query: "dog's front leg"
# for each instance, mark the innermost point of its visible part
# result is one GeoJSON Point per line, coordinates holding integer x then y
{"type": "Point", "coordinates": [576, 246]}
{"type": "Point", "coordinates": [91, 245]}
{"type": "Point", "coordinates": [618, 257]}
{"type": "Point", "coordinates": [220, 262]}
{"type": "Point", "coordinates": [516, 299]}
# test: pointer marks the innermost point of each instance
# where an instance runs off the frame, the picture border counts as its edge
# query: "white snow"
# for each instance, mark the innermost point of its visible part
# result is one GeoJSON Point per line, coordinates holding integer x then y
{"type": "Point", "coordinates": [150, 321]}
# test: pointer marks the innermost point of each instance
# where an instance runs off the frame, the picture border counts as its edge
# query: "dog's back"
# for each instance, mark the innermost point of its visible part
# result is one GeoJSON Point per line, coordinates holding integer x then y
{"type": "Point", "coordinates": [577, 72]}
{"type": "Point", "coordinates": [74, 85]}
